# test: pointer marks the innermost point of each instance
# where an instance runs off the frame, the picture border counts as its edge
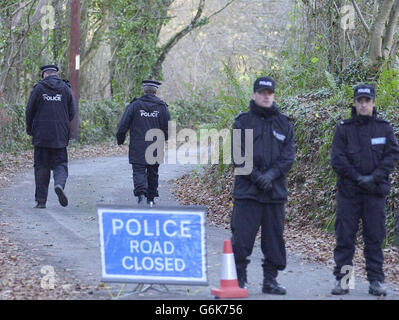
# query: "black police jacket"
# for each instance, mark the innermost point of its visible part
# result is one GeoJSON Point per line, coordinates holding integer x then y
{"type": "Point", "coordinates": [364, 146]}
{"type": "Point", "coordinates": [273, 152]}
{"type": "Point", "coordinates": [141, 115]}
{"type": "Point", "coordinates": [49, 112]}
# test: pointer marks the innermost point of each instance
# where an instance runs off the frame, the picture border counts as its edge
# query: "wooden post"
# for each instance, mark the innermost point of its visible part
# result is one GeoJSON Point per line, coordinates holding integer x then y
{"type": "Point", "coordinates": [74, 63]}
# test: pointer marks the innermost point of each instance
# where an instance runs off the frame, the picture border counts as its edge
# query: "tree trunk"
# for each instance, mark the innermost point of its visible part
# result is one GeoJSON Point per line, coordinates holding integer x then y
{"type": "Point", "coordinates": [375, 51]}
{"type": "Point", "coordinates": [390, 31]}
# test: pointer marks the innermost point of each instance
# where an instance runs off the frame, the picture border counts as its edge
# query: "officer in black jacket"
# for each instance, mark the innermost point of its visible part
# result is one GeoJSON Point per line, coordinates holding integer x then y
{"type": "Point", "coordinates": [259, 195]}
{"type": "Point", "coordinates": [141, 115]}
{"type": "Point", "coordinates": [364, 153]}
{"type": "Point", "coordinates": [49, 112]}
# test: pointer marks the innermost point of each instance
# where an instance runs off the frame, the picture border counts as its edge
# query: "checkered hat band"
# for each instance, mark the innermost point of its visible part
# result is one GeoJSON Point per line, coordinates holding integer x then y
{"type": "Point", "coordinates": [150, 85]}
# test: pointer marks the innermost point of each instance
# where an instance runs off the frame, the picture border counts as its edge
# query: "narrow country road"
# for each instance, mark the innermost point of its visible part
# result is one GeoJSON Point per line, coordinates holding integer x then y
{"type": "Point", "coordinates": [68, 238]}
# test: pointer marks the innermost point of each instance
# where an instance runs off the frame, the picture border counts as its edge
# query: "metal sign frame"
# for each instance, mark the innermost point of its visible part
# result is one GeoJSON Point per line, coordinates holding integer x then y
{"type": "Point", "coordinates": [132, 210]}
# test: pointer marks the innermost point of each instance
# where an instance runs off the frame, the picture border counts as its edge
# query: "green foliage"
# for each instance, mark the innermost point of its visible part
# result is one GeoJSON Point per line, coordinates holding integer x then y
{"type": "Point", "coordinates": [342, 95]}
{"type": "Point", "coordinates": [232, 99]}
{"type": "Point", "coordinates": [214, 111]}
{"type": "Point", "coordinates": [13, 135]}
{"type": "Point", "coordinates": [98, 120]}
{"type": "Point", "coordinates": [388, 89]}
{"type": "Point", "coordinates": [27, 46]}
{"type": "Point", "coordinates": [190, 114]}
{"type": "Point", "coordinates": [355, 72]}
{"type": "Point", "coordinates": [331, 82]}
{"type": "Point", "coordinates": [134, 33]}
{"type": "Point", "coordinates": [131, 28]}
{"type": "Point", "coordinates": [298, 72]}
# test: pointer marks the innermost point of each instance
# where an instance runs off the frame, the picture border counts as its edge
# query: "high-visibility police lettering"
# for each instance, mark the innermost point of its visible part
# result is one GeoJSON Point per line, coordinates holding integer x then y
{"type": "Point", "coordinates": [148, 247]}
{"type": "Point", "coordinates": [150, 228]}
{"type": "Point", "coordinates": [149, 263]}
{"type": "Point", "coordinates": [57, 97]}
{"type": "Point", "coordinates": [129, 227]}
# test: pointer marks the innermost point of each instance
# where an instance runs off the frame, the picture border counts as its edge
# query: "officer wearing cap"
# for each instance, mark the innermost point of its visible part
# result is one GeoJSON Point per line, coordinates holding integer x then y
{"type": "Point", "coordinates": [49, 112]}
{"type": "Point", "coordinates": [364, 154]}
{"type": "Point", "coordinates": [141, 115]}
{"type": "Point", "coordinates": [259, 197]}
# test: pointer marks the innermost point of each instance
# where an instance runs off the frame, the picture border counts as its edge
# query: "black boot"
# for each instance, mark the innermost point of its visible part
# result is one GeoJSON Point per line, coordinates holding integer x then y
{"type": "Point", "coordinates": [271, 286]}
{"type": "Point", "coordinates": [376, 289]}
{"type": "Point", "coordinates": [62, 198]}
{"type": "Point", "coordinates": [40, 205]}
{"type": "Point", "coordinates": [140, 199]}
{"type": "Point", "coordinates": [242, 278]}
{"type": "Point", "coordinates": [338, 290]}
{"type": "Point", "coordinates": [150, 202]}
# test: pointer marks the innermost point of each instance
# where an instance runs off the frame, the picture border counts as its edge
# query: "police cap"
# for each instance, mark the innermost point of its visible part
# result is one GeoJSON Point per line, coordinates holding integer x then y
{"type": "Point", "coordinates": [264, 83]}
{"type": "Point", "coordinates": [49, 67]}
{"type": "Point", "coordinates": [364, 90]}
{"type": "Point", "coordinates": [151, 83]}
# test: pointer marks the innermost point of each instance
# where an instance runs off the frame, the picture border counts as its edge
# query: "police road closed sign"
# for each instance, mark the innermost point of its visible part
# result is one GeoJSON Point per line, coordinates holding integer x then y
{"type": "Point", "coordinates": [153, 245]}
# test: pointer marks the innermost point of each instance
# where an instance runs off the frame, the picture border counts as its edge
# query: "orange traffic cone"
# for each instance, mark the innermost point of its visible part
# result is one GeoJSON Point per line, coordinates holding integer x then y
{"type": "Point", "coordinates": [228, 283]}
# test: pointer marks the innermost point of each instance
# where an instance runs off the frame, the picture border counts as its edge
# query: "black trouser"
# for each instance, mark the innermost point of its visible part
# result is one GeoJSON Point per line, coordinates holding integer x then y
{"type": "Point", "coordinates": [145, 180]}
{"type": "Point", "coordinates": [371, 210]}
{"type": "Point", "coordinates": [45, 160]}
{"type": "Point", "coordinates": [247, 217]}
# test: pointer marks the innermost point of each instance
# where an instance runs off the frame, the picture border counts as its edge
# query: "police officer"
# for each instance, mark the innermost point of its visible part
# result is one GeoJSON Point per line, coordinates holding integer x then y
{"type": "Point", "coordinates": [259, 196]}
{"type": "Point", "coordinates": [49, 112]}
{"type": "Point", "coordinates": [141, 115]}
{"type": "Point", "coordinates": [364, 153]}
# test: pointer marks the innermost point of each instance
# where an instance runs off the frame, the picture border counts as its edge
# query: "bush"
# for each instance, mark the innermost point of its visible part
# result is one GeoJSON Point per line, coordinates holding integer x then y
{"type": "Point", "coordinates": [190, 114]}
{"type": "Point", "coordinates": [13, 135]}
{"type": "Point", "coordinates": [98, 120]}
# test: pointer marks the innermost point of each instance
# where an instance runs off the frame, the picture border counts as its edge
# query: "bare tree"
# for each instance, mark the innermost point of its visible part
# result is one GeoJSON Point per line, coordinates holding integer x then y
{"type": "Point", "coordinates": [15, 40]}
{"type": "Point", "coordinates": [195, 23]}
{"type": "Point", "coordinates": [378, 33]}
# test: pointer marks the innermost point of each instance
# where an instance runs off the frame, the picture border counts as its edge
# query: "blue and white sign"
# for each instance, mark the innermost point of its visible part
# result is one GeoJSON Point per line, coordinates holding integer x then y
{"type": "Point", "coordinates": [153, 245]}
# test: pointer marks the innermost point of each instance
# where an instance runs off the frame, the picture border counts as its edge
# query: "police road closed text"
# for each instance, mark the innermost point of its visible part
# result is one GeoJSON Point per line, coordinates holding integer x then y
{"type": "Point", "coordinates": [169, 229]}
{"type": "Point", "coordinates": [142, 246]}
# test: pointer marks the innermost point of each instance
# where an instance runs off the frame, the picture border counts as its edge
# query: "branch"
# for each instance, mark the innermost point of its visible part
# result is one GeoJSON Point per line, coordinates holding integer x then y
{"type": "Point", "coordinates": [38, 14]}
{"type": "Point", "coordinates": [217, 12]}
{"type": "Point", "coordinates": [395, 49]}
{"type": "Point", "coordinates": [172, 41]}
{"type": "Point", "coordinates": [359, 13]}
{"type": "Point", "coordinates": [376, 38]}
{"type": "Point", "coordinates": [94, 43]}
{"type": "Point", "coordinates": [390, 30]}
{"type": "Point", "coordinates": [17, 14]}
{"type": "Point", "coordinates": [12, 56]}
{"type": "Point", "coordinates": [195, 23]}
